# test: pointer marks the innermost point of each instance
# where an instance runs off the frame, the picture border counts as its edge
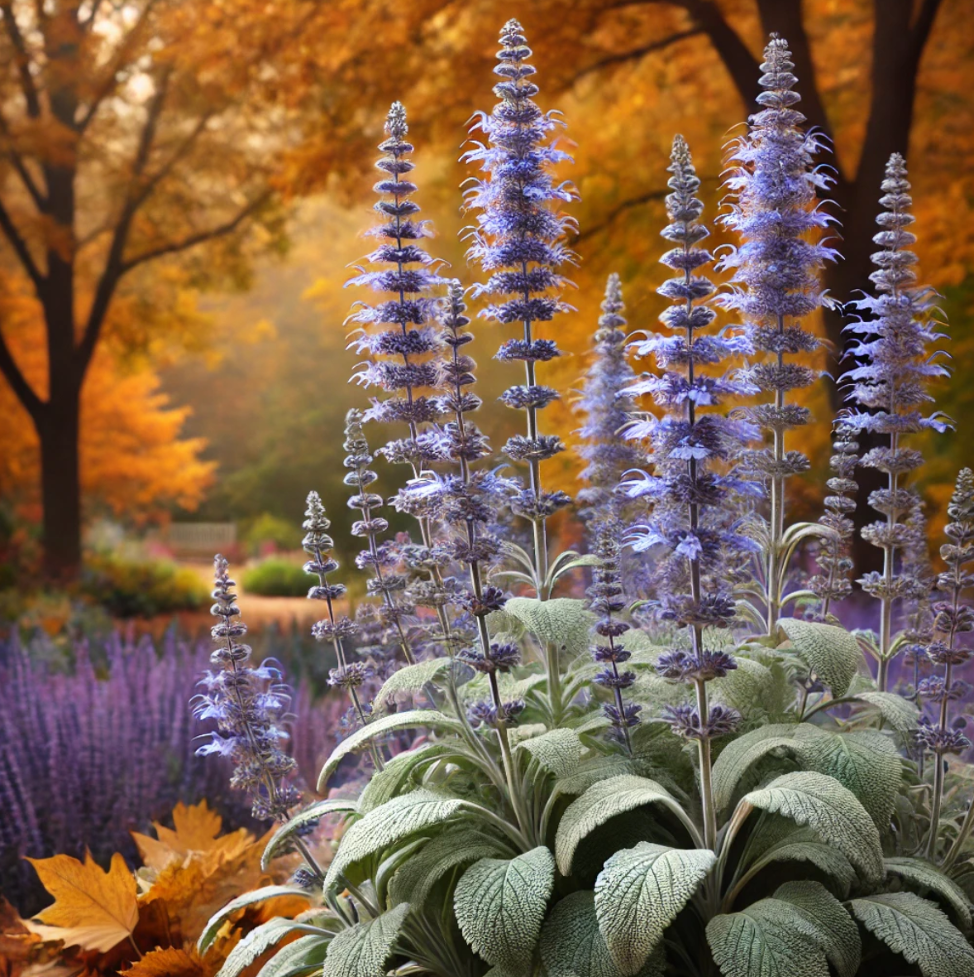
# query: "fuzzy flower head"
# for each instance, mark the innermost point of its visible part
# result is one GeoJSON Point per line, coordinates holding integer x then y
{"type": "Point", "coordinates": [397, 334]}
{"type": "Point", "coordinates": [606, 409]}
{"type": "Point", "coordinates": [518, 237]}
{"type": "Point", "coordinates": [776, 267]}
{"type": "Point", "coordinates": [248, 705]}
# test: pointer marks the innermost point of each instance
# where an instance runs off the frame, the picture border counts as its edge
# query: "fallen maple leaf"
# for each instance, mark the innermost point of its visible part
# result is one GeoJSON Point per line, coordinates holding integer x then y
{"type": "Point", "coordinates": [168, 962]}
{"type": "Point", "coordinates": [195, 829]}
{"type": "Point", "coordinates": [93, 909]}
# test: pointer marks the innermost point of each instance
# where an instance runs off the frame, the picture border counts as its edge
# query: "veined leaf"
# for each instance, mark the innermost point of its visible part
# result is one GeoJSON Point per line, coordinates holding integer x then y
{"type": "Point", "coordinates": [832, 653]}
{"type": "Point", "coordinates": [741, 754]}
{"type": "Point", "coordinates": [572, 944]}
{"type": "Point", "coordinates": [457, 846]}
{"type": "Point", "coordinates": [389, 824]}
{"type": "Point", "coordinates": [379, 727]}
{"type": "Point", "coordinates": [241, 902]}
{"type": "Point", "coordinates": [821, 802]}
{"type": "Point", "coordinates": [770, 938]}
{"type": "Point", "coordinates": [311, 813]}
{"type": "Point", "coordinates": [255, 943]}
{"type": "Point", "coordinates": [824, 857]}
{"type": "Point", "coordinates": [839, 933]}
{"type": "Point", "coordinates": [602, 801]}
{"type": "Point", "coordinates": [562, 621]}
{"type": "Point", "coordinates": [559, 751]}
{"type": "Point", "coordinates": [920, 873]}
{"type": "Point", "coordinates": [412, 678]}
{"type": "Point", "coordinates": [639, 892]}
{"type": "Point", "coordinates": [363, 949]}
{"type": "Point", "coordinates": [385, 784]}
{"type": "Point", "coordinates": [899, 713]}
{"type": "Point", "coordinates": [501, 903]}
{"type": "Point", "coordinates": [305, 955]}
{"type": "Point", "coordinates": [917, 930]}
{"type": "Point", "coordinates": [745, 687]}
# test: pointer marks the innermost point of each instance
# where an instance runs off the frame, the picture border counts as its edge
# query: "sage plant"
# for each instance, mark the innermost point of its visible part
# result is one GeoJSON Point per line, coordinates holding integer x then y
{"type": "Point", "coordinates": [518, 241]}
{"type": "Point", "coordinates": [889, 391]}
{"type": "Point", "coordinates": [688, 492]}
{"type": "Point", "coordinates": [951, 649]}
{"type": "Point", "coordinates": [773, 183]}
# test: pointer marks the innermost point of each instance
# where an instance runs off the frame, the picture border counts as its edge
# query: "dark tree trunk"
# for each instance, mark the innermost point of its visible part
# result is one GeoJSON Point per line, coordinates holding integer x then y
{"type": "Point", "coordinates": [58, 430]}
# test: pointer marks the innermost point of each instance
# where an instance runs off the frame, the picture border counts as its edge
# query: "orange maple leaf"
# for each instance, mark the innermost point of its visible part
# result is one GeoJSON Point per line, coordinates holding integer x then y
{"type": "Point", "coordinates": [197, 829]}
{"type": "Point", "coordinates": [168, 962]}
{"type": "Point", "coordinates": [93, 909]}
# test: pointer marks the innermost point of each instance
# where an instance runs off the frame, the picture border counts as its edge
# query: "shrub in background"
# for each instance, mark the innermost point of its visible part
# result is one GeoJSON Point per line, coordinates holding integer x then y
{"type": "Point", "coordinates": [128, 588]}
{"type": "Point", "coordinates": [276, 577]}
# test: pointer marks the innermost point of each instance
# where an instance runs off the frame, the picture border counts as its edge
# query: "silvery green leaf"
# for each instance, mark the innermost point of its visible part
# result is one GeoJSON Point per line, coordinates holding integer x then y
{"type": "Point", "coordinates": [562, 621]}
{"type": "Point", "coordinates": [832, 653]}
{"type": "Point", "coordinates": [412, 678]}
{"type": "Point", "coordinates": [304, 956]}
{"type": "Point", "coordinates": [899, 713]}
{"type": "Point", "coordinates": [319, 809]}
{"type": "Point", "coordinates": [241, 902]}
{"type": "Point", "coordinates": [500, 905]}
{"type": "Point", "coordinates": [839, 935]}
{"type": "Point", "coordinates": [254, 944]}
{"type": "Point", "coordinates": [363, 949]}
{"type": "Point", "coordinates": [639, 892]}
{"type": "Point", "coordinates": [740, 756]}
{"type": "Point", "coordinates": [922, 874]}
{"type": "Point", "coordinates": [394, 778]}
{"type": "Point", "coordinates": [917, 930]}
{"type": "Point", "coordinates": [412, 719]}
{"type": "Point", "coordinates": [559, 751]}
{"type": "Point", "coordinates": [821, 802]}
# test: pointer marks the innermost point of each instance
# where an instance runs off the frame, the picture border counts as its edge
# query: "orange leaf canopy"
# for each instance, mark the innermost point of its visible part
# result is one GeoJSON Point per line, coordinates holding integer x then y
{"type": "Point", "coordinates": [93, 909]}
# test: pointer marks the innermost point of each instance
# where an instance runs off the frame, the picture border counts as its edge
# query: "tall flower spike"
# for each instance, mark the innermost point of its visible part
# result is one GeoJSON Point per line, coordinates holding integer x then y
{"type": "Point", "coordinates": [335, 628]}
{"type": "Point", "coordinates": [889, 389]}
{"type": "Point", "coordinates": [951, 649]}
{"type": "Point", "coordinates": [776, 268]}
{"type": "Point", "coordinates": [832, 582]}
{"type": "Point", "coordinates": [606, 409]}
{"type": "Point", "coordinates": [398, 334]}
{"type": "Point", "coordinates": [518, 242]}
{"type": "Point", "coordinates": [248, 704]}
{"type": "Point", "coordinates": [380, 559]}
{"type": "Point", "coordinates": [690, 498]}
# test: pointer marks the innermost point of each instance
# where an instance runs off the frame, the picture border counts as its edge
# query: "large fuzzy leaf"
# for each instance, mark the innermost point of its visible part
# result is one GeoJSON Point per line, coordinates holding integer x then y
{"type": "Point", "coordinates": [745, 688]}
{"type": "Point", "coordinates": [840, 935]}
{"type": "Point", "coordinates": [741, 755]}
{"type": "Point", "coordinates": [639, 892]}
{"type": "Point", "coordinates": [412, 719]}
{"type": "Point", "coordinates": [572, 944]}
{"type": "Point", "coordinates": [564, 621]}
{"type": "Point", "coordinates": [822, 803]}
{"type": "Point", "coordinates": [823, 857]}
{"type": "Point", "coordinates": [385, 784]}
{"type": "Point", "coordinates": [832, 653]}
{"type": "Point", "coordinates": [917, 930]}
{"type": "Point", "coordinates": [412, 678]}
{"type": "Point", "coordinates": [770, 938]}
{"type": "Point", "coordinates": [254, 944]}
{"type": "Point", "coordinates": [241, 902]}
{"type": "Point", "coordinates": [320, 809]}
{"type": "Point", "coordinates": [304, 956]}
{"type": "Point", "coordinates": [899, 713]}
{"type": "Point", "coordinates": [363, 949]}
{"type": "Point", "coordinates": [457, 846]}
{"type": "Point", "coordinates": [602, 801]}
{"type": "Point", "coordinates": [920, 873]}
{"type": "Point", "coordinates": [501, 903]}
{"type": "Point", "coordinates": [559, 751]}
{"type": "Point", "coordinates": [389, 824]}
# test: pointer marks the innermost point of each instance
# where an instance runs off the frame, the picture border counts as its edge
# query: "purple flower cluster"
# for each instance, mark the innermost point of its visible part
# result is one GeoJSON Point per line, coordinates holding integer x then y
{"type": "Point", "coordinates": [690, 528]}
{"type": "Point", "coordinates": [249, 705]}
{"type": "Point", "coordinates": [889, 388]}
{"type": "Point", "coordinates": [398, 334]}
{"type": "Point", "coordinates": [832, 582]}
{"type": "Point", "coordinates": [607, 601]}
{"type": "Point", "coordinates": [518, 242]}
{"type": "Point", "coordinates": [607, 409]}
{"type": "Point", "coordinates": [776, 267]}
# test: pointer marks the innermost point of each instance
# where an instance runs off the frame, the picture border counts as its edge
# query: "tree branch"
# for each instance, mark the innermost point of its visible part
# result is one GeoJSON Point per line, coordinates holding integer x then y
{"type": "Point", "coordinates": [741, 65]}
{"type": "Point", "coordinates": [20, 247]}
{"type": "Point", "coordinates": [23, 59]}
{"type": "Point", "coordinates": [40, 200]}
{"type": "Point", "coordinates": [639, 52]}
{"type": "Point", "coordinates": [920, 33]}
{"type": "Point", "coordinates": [200, 237]}
{"type": "Point", "coordinates": [18, 383]}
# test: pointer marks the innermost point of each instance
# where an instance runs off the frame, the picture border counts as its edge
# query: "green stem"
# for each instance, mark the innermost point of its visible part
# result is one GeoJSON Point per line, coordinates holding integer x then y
{"type": "Point", "coordinates": [706, 771]}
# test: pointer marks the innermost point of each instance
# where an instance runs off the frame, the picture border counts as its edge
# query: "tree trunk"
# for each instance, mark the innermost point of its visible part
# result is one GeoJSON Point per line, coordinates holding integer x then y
{"type": "Point", "coordinates": [58, 430]}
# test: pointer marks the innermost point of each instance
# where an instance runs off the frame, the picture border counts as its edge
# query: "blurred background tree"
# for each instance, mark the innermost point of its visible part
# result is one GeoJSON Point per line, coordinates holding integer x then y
{"type": "Point", "coordinates": [194, 134]}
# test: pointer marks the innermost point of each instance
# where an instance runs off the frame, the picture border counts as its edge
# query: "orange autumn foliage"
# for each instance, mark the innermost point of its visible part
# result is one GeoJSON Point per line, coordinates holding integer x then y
{"type": "Point", "coordinates": [147, 924]}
